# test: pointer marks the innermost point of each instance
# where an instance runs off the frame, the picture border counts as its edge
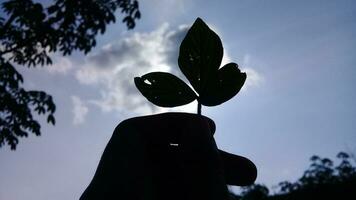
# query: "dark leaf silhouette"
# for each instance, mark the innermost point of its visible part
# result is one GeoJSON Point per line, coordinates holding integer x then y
{"type": "Point", "coordinates": [223, 86]}
{"type": "Point", "coordinates": [164, 89]}
{"type": "Point", "coordinates": [200, 56]}
{"type": "Point", "coordinates": [51, 119]}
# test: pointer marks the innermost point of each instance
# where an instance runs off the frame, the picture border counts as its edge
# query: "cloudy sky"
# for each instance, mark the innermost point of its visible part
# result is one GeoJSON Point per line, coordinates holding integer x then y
{"type": "Point", "coordinates": [298, 100]}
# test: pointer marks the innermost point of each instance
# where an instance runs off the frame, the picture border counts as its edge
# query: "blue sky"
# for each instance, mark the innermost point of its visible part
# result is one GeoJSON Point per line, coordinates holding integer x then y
{"type": "Point", "coordinates": [298, 99]}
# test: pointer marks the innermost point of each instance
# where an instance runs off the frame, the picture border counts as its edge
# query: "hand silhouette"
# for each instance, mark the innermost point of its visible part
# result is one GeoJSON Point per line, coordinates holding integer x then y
{"type": "Point", "coordinates": [167, 156]}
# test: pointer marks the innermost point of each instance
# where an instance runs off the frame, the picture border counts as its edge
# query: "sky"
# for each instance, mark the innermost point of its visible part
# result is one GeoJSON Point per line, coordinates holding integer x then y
{"type": "Point", "coordinates": [298, 99]}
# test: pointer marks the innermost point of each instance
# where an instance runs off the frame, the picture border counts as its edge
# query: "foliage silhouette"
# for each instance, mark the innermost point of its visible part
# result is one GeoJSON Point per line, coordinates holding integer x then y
{"type": "Point", "coordinates": [322, 180]}
{"type": "Point", "coordinates": [200, 56]}
{"type": "Point", "coordinates": [167, 156]}
{"type": "Point", "coordinates": [256, 191]}
{"type": "Point", "coordinates": [29, 34]}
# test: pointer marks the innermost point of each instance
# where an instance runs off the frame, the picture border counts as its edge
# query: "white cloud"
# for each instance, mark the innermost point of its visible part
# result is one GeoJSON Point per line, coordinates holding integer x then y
{"type": "Point", "coordinates": [114, 67]}
{"type": "Point", "coordinates": [254, 78]}
{"type": "Point", "coordinates": [80, 110]}
{"type": "Point", "coordinates": [61, 65]}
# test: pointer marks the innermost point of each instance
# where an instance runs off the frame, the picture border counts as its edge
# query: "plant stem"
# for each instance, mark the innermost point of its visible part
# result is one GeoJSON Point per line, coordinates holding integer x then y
{"type": "Point", "coordinates": [199, 108]}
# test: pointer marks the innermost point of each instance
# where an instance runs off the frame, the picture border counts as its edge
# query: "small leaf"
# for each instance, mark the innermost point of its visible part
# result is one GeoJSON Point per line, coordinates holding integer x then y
{"type": "Point", "coordinates": [164, 89]}
{"type": "Point", "coordinates": [51, 119]}
{"type": "Point", "coordinates": [223, 86]}
{"type": "Point", "coordinates": [200, 54]}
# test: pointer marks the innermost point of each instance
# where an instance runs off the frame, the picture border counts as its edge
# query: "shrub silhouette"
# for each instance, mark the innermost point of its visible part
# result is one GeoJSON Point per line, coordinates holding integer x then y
{"type": "Point", "coordinates": [200, 56]}
{"type": "Point", "coordinates": [322, 180]}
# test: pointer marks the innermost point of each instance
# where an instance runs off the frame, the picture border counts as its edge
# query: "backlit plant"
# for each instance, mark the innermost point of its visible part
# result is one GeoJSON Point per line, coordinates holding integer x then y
{"type": "Point", "coordinates": [200, 57]}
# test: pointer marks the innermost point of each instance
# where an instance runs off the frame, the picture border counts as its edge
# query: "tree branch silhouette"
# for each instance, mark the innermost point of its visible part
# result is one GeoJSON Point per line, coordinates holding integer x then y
{"type": "Point", "coordinates": [29, 34]}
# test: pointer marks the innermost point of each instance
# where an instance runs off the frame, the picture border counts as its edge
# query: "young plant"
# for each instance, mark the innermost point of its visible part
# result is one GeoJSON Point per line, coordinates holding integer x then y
{"type": "Point", "coordinates": [200, 57]}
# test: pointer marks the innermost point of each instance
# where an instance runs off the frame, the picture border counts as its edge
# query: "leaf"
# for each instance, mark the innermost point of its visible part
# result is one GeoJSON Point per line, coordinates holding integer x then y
{"type": "Point", "coordinates": [51, 119]}
{"type": "Point", "coordinates": [223, 86]}
{"type": "Point", "coordinates": [164, 89]}
{"type": "Point", "coordinates": [200, 54]}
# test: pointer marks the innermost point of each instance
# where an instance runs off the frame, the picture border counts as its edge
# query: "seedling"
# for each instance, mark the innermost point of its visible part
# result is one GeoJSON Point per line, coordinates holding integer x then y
{"type": "Point", "coordinates": [200, 57]}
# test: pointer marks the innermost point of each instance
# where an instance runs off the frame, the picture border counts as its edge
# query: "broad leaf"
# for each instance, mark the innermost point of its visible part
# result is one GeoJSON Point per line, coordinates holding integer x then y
{"type": "Point", "coordinates": [164, 89]}
{"type": "Point", "coordinates": [200, 54]}
{"type": "Point", "coordinates": [224, 85]}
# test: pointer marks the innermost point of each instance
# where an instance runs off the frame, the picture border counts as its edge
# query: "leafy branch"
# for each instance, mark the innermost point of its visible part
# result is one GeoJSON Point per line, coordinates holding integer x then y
{"type": "Point", "coordinates": [30, 33]}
